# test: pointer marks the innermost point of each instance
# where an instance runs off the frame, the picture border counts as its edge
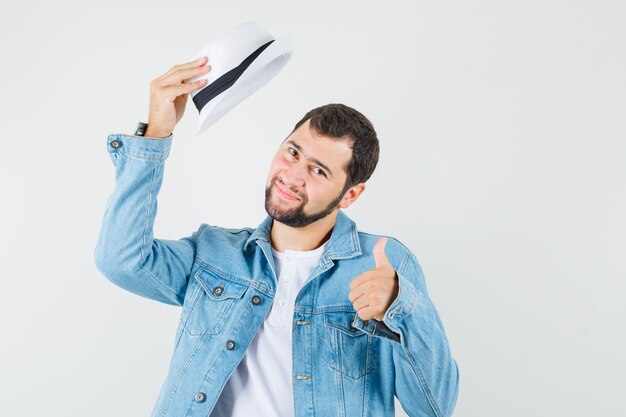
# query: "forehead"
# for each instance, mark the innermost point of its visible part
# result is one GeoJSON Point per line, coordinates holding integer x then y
{"type": "Point", "coordinates": [334, 153]}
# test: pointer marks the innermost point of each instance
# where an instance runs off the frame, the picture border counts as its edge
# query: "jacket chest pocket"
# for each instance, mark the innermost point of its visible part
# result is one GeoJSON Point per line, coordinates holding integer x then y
{"type": "Point", "coordinates": [212, 303]}
{"type": "Point", "coordinates": [352, 352]}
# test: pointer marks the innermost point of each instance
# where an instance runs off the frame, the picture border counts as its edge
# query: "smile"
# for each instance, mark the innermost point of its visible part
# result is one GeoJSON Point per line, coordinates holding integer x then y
{"type": "Point", "coordinates": [284, 194]}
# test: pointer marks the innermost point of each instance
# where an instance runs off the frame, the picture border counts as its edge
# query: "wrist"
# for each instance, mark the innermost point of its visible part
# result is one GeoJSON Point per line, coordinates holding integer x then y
{"type": "Point", "coordinates": [155, 132]}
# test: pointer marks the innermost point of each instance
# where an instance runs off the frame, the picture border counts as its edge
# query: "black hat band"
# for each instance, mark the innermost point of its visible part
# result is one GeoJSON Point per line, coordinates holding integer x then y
{"type": "Point", "coordinates": [224, 82]}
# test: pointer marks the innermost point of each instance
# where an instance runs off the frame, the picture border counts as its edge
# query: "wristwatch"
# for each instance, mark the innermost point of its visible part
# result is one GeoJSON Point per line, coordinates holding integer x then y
{"type": "Point", "coordinates": [141, 129]}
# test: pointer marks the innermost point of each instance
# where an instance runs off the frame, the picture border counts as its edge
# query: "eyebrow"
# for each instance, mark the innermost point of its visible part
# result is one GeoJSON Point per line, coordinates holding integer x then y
{"type": "Point", "coordinates": [314, 160]}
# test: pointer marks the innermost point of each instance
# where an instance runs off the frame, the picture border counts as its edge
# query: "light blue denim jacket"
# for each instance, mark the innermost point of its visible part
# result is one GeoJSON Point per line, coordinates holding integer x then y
{"type": "Point", "coordinates": [225, 281]}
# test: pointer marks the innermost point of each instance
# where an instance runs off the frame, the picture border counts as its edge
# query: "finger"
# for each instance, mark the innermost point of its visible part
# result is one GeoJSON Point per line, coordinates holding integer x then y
{"type": "Point", "coordinates": [182, 99]}
{"type": "Point", "coordinates": [191, 64]}
{"type": "Point", "coordinates": [360, 302]}
{"type": "Point", "coordinates": [177, 77]}
{"type": "Point", "coordinates": [177, 90]}
{"type": "Point", "coordinates": [379, 252]}
{"type": "Point", "coordinates": [355, 294]}
{"type": "Point", "coordinates": [360, 279]}
{"type": "Point", "coordinates": [366, 313]}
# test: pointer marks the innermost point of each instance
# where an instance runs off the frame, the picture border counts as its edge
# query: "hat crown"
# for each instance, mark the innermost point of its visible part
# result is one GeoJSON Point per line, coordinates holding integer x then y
{"type": "Point", "coordinates": [229, 49]}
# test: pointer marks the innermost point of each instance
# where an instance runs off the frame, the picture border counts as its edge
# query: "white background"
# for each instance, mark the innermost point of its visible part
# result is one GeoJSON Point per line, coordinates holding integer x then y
{"type": "Point", "coordinates": [502, 167]}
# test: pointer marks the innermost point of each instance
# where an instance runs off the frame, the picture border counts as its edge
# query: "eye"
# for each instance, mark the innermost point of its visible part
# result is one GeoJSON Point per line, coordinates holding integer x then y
{"type": "Point", "coordinates": [295, 153]}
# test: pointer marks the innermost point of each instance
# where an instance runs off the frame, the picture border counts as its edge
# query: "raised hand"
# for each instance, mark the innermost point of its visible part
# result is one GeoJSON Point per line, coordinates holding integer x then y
{"type": "Point", "coordinates": [373, 291]}
{"type": "Point", "coordinates": [168, 96]}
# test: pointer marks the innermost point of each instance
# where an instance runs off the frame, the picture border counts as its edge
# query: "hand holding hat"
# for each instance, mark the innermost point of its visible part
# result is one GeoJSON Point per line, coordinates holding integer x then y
{"type": "Point", "coordinates": [242, 61]}
{"type": "Point", "coordinates": [168, 96]}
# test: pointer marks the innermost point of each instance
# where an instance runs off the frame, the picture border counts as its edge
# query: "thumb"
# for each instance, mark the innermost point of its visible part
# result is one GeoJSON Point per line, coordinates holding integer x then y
{"type": "Point", "coordinates": [379, 252]}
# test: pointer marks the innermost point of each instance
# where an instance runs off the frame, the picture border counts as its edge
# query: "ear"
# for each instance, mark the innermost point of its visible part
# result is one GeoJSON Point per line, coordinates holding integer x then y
{"type": "Point", "coordinates": [352, 195]}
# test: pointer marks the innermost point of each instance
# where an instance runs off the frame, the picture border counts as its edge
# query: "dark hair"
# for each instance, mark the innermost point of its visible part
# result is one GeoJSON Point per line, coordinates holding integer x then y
{"type": "Point", "coordinates": [345, 123]}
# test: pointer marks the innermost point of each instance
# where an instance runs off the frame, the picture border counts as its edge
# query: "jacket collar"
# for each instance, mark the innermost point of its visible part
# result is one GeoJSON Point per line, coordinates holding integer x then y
{"type": "Point", "coordinates": [343, 242]}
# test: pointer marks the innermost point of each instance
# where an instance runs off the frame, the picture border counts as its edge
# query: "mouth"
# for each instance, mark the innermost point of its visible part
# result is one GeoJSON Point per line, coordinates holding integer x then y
{"type": "Point", "coordinates": [285, 194]}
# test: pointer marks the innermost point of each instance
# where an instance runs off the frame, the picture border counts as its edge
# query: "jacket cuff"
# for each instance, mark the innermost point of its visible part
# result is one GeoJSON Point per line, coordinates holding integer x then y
{"type": "Point", "coordinates": [139, 147]}
{"type": "Point", "coordinates": [388, 328]}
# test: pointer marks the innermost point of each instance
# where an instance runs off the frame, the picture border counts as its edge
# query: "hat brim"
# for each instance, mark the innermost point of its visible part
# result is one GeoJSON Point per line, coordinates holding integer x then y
{"type": "Point", "coordinates": [260, 72]}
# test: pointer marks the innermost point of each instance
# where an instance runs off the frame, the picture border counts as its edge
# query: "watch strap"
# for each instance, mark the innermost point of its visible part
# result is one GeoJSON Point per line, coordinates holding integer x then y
{"type": "Point", "coordinates": [141, 129]}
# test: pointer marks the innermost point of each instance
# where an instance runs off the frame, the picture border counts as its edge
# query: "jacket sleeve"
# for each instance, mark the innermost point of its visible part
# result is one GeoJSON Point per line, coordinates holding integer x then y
{"type": "Point", "coordinates": [126, 252]}
{"type": "Point", "coordinates": [426, 375]}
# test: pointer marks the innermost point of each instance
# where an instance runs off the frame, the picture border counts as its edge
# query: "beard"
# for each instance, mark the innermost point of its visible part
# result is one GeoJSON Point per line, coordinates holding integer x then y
{"type": "Point", "coordinates": [295, 216]}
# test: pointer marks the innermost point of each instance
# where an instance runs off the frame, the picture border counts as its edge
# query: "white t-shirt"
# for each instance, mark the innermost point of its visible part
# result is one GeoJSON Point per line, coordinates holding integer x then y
{"type": "Point", "coordinates": [262, 383]}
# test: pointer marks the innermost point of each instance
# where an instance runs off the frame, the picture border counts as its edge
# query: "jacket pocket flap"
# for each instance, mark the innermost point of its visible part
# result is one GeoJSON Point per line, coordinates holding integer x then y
{"type": "Point", "coordinates": [217, 287]}
{"type": "Point", "coordinates": [342, 320]}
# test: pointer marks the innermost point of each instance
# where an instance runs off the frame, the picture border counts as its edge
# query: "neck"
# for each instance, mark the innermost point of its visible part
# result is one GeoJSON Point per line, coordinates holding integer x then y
{"type": "Point", "coordinates": [304, 238]}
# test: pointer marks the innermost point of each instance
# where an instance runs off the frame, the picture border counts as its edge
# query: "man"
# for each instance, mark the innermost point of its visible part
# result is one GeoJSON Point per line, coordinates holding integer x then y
{"type": "Point", "coordinates": [303, 315]}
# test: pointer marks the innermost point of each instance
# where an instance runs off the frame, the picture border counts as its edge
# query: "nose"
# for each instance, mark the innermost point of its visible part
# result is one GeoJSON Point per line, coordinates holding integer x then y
{"type": "Point", "coordinates": [293, 177]}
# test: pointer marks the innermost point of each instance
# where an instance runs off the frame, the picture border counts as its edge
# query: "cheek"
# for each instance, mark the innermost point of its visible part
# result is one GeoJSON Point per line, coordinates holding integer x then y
{"type": "Point", "coordinates": [278, 165]}
{"type": "Point", "coordinates": [318, 194]}
{"type": "Point", "coordinates": [281, 163]}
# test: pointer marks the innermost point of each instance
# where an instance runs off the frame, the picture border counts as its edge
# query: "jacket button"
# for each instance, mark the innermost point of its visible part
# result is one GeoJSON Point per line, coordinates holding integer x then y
{"type": "Point", "coordinates": [200, 397]}
{"type": "Point", "coordinates": [256, 300]}
{"type": "Point", "coordinates": [218, 290]}
{"type": "Point", "coordinates": [230, 345]}
{"type": "Point", "coordinates": [115, 144]}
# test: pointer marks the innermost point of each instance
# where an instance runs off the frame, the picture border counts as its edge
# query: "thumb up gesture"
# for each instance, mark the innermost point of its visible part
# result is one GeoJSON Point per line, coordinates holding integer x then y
{"type": "Point", "coordinates": [373, 291]}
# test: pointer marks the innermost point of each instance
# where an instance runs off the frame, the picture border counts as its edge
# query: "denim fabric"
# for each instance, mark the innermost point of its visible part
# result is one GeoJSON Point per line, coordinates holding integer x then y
{"type": "Point", "coordinates": [224, 279]}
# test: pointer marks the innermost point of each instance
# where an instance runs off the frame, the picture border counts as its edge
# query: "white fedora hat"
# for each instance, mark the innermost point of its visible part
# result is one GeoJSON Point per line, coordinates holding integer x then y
{"type": "Point", "coordinates": [242, 61]}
